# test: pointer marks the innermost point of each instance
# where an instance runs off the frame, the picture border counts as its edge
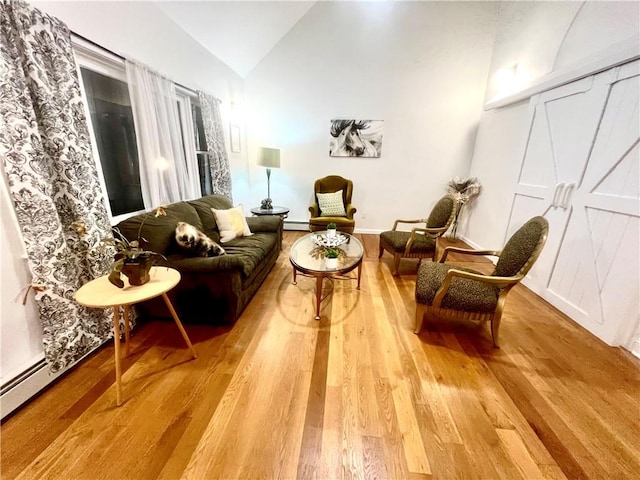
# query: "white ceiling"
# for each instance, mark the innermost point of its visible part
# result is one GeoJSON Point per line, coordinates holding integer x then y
{"type": "Point", "coordinates": [239, 33]}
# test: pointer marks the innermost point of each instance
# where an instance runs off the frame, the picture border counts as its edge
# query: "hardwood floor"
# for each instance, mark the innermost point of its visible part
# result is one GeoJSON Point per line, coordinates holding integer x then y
{"type": "Point", "coordinates": [355, 395]}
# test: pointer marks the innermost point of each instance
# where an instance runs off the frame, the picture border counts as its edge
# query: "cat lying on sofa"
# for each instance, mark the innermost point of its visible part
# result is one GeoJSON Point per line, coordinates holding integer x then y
{"type": "Point", "coordinates": [195, 242]}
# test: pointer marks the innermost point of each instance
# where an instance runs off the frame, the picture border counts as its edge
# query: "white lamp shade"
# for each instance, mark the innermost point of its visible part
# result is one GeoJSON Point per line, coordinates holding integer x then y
{"type": "Point", "coordinates": [269, 157]}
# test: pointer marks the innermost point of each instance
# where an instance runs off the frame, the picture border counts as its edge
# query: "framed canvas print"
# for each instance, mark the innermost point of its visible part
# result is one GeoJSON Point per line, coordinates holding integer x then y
{"type": "Point", "coordinates": [355, 138]}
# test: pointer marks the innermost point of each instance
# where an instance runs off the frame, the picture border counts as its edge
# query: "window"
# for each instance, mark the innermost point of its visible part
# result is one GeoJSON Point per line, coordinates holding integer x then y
{"type": "Point", "coordinates": [204, 160]}
{"type": "Point", "coordinates": [115, 138]}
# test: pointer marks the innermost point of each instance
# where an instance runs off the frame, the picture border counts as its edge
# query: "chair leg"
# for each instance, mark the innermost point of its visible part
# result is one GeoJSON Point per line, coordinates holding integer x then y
{"type": "Point", "coordinates": [420, 311]}
{"type": "Point", "coordinates": [495, 326]}
{"type": "Point", "coordinates": [396, 263]}
{"type": "Point", "coordinates": [381, 251]}
{"type": "Point", "coordinates": [497, 317]}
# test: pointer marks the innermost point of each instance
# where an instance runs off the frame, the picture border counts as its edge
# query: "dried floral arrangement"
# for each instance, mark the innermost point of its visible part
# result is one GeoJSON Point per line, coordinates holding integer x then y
{"type": "Point", "coordinates": [463, 190]}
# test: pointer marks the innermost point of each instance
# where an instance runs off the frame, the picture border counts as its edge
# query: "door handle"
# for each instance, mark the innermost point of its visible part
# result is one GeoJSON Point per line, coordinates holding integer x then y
{"type": "Point", "coordinates": [556, 198]}
{"type": "Point", "coordinates": [567, 191]}
{"type": "Point", "coordinates": [557, 194]}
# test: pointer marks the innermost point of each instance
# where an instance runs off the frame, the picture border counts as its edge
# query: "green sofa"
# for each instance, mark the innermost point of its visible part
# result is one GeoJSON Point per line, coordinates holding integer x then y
{"type": "Point", "coordinates": [212, 289]}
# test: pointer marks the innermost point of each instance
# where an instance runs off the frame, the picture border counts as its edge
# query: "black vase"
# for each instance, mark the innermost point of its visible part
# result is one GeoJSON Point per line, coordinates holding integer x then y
{"type": "Point", "coordinates": [138, 272]}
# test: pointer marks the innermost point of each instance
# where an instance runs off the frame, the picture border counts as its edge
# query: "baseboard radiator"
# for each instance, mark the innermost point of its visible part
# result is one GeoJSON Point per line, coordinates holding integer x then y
{"type": "Point", "coordinates": [31, 381]}
{"type": "Point", "coordinates": [297, 226]}
{"type": "Point", "coordinates": [22, 387]}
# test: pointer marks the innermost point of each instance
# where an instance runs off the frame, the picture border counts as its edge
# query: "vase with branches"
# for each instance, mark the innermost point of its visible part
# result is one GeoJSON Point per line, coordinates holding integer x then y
{"type": "Point", "coordinates": [463, 190]}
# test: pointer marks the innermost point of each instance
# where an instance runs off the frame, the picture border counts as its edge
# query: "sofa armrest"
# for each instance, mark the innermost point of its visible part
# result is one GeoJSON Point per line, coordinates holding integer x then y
{"type": "Point", "coordinates": [314, 210]}
{"type": "Point", "coordinates": [264, 223]}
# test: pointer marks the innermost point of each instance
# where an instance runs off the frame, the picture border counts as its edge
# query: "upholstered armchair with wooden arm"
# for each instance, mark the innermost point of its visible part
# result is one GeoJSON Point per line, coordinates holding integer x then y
{"type": "Point", "coordinates": [448, 292]}
{"type": "Point", "coordinates": [332, 195]}
{"type": "Point", "coordinates": [420, 242]}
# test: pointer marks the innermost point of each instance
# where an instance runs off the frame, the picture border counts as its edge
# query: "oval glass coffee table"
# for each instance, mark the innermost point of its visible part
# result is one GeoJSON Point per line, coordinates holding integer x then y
{"type": "Point", "coordinates": [307, 258]}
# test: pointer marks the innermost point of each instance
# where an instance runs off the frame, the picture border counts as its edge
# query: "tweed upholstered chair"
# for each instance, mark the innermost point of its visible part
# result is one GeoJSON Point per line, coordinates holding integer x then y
{"type": "Point", "coordinates": [447, 292]}
{"type": "Point", "coordinates": [419, 242]}
{"type": "Point", "coordinates": [323, 188]}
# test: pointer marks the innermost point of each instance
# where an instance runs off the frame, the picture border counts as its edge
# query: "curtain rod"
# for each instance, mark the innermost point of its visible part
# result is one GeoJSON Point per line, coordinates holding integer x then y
{"type": "Point", "coordinates": [121, 57]}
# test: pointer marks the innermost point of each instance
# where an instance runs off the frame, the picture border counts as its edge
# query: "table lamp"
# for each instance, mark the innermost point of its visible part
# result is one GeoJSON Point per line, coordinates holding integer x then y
{"type": "Point", "coordinates": [270, 158]}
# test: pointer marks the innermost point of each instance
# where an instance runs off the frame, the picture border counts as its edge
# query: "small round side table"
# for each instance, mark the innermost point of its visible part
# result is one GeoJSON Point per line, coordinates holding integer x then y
{"type": "Point", "coordinates": [100, 293]}
{"type": "Point", "coordinates": [282, 212]}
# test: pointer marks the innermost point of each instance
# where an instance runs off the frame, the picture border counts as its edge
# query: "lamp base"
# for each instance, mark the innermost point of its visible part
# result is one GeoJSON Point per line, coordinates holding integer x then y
{"type": "Point", "coordinates": [266, 204]}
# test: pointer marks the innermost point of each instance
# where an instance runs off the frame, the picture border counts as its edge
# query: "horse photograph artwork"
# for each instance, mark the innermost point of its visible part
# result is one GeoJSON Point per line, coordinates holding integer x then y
{"type": "Point", "coordinates": [355, 138]}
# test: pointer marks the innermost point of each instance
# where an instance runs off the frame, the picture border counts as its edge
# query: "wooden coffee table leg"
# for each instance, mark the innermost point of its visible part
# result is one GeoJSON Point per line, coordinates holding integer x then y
{"type": "Point", "coordinates": [294, 276]}
{"type": "Point", "coordinates": [116, 344]}
{"type": "Point", "coordinates": [318, 295]}
{"type": "Point", "coordinates": [359, 273]}
{"type": "Point", "coordinates": [179, 324]}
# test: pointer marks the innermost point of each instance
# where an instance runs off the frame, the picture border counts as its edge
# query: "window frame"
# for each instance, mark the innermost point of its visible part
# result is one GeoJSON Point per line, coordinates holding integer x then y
{"type": "Point", "coordinates": [93, 58]}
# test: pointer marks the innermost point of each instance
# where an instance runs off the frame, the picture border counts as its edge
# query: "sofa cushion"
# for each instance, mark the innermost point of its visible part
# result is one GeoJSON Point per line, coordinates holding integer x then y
{"type": "Point", "coordinates": [203, 206]}
{"type": "Point", "coordinates": [243, 254]}
{"type": "Point", "coordinates": [231, 223]}
{"type": "Point", "coordinates": [160, 231]}
{"type": "Point", "coordinates": [253, 249]}
{"type": "Point", "coordinates": [188, 264]}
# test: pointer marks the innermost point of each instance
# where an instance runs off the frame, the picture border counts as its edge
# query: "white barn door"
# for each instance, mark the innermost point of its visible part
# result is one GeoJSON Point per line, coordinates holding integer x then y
{"type": "Point", "coordinates": [581, 167]}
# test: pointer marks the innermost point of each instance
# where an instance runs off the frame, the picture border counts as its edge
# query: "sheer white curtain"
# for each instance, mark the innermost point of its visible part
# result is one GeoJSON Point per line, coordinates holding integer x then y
{"type": "Point", "coordinates": [168, 171]}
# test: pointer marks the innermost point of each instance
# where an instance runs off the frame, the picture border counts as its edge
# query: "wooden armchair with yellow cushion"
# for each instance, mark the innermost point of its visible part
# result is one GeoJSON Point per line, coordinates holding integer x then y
{"type": "Point", "coordinates": [332, 204]}
{"type": "Point", "coordinates": [448, 292]}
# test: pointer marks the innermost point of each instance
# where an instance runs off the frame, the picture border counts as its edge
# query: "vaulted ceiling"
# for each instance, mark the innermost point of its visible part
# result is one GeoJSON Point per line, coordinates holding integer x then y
{"type": "Point", "coordinates": [237, 32]}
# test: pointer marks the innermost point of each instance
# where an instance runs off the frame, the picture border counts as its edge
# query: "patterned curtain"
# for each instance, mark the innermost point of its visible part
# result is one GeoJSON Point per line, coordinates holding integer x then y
{"type": "Point", "coordinates": [214, 134]}
{"type": "Point", "coordinates": [48, 165]}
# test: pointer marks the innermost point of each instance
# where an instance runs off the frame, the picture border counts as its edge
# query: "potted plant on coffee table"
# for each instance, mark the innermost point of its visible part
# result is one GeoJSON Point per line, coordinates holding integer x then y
{"type": "Point", "coordinates": [331, 230]}
{"type": "Point", "coordinates": [331, 256]}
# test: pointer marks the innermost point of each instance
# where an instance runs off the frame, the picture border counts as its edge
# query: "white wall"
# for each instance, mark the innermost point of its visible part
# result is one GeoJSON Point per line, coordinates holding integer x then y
{"type": "Point", "coordinates": [529, 35]}
{"type": "Point", "coordinates": [421, 67]}
{"type": "Point", "coordinates": [20, 331]}
{"type": "Point", "coordinates": [500, 142]}
{"type": "Point", "coordinates": [573, 33]}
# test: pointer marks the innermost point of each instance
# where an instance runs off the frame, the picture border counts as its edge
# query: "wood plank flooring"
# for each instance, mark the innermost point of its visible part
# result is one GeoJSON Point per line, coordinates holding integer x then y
{"type": "Point", "coordinates": [354, 395]}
